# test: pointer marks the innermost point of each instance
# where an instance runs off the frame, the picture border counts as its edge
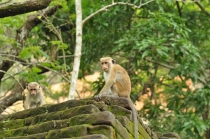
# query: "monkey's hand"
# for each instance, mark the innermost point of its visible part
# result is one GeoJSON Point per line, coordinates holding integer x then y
{"type": "Point", "coordinates": [98, 97]}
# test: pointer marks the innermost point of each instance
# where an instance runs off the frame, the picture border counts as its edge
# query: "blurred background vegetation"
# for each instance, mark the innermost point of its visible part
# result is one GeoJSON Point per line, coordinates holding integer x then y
{"type": "Point", "coordinates": [164, 46]}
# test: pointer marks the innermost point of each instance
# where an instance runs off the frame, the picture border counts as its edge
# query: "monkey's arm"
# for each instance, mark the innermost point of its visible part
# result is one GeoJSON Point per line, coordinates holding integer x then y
{"type": "Point", "coordinates": [108, 85]}
{"type": "Point", "coordinates": [26, 101]}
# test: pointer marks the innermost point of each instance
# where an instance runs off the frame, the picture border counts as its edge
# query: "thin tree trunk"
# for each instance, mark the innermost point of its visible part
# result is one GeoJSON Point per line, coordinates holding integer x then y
{"type": "Point", "coordinates": [78, 49]}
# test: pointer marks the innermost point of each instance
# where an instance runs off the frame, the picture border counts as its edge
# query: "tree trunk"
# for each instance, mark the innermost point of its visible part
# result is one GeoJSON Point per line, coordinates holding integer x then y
{"type": "Point", "coordinates": [78, 49]}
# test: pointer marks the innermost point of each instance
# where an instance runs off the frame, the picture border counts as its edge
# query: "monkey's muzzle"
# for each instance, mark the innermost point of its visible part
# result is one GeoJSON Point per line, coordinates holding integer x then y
{"type": "Point", "coordinates": [105, 70]}
{"type": "Point", "coordinates": [33, 93]}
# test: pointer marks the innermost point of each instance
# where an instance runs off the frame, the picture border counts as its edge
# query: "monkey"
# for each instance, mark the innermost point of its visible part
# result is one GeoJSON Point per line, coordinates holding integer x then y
{"type": "Point", "coordinates": [33, 98]}
{"type": "Point", "coordinates": [118, 83]}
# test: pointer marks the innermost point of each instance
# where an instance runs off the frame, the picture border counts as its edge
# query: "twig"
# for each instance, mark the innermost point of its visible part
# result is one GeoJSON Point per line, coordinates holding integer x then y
{"type": "Point", "coordinates": [78, 94]}
{"type": "Point", "coordinates": [66, 56]}
{"type": "Point", "coordinates": [179, 9]}
{"type": "Point", "coordinates": [170, 67]}
{"type": "Point", "coordinates": [38, 64]}
{"type": "Point", "coordinates": [5, 94]}
{"type": "Point", "coordinates": [14, 78]}
{"type": "Point", "coordinates": [55, 72]}
{"type": "Point", "coordinates": [192, 1]}
{"type": "Point", "coordinates": [58, 34]}
{"type": "Point", "coordinates": [5, 78]}
{"type": "Point", "coordinates": [161, 64]}
{"type": "Point", "coordinates": [197, 2]}
{"type": "Point", "coordinates": [112, 5]}
{"type": "Point", "coordinates": [202, 8]}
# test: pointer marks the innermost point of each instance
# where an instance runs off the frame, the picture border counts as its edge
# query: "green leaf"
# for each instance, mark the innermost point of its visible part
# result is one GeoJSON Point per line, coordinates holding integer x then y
{"type": "Point", "coordinates": [36, 69]}
{"type": "Point", "coordinates": [63, 46]}
{"type": "Point", "coordinates": [106, 24]}
{"type": "Point", "coordinates": [146, 53]}
{"type": "Point", "coordinates": [35, 51]}
{"type": "Point", "coordinates": [25, 53]}
{"type": "Point", "coordinates": [56, 42]}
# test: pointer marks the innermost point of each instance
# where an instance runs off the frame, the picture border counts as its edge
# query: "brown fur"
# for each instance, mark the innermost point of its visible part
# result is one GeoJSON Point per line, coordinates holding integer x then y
{"type": "Point", "coordinates": [117, 83]}
{"type": "Point", "coordinates": [33, 97]}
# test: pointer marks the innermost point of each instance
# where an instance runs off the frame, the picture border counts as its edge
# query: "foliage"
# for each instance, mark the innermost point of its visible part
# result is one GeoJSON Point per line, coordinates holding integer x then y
{"type": "Point", "coordinates": [161, 52]}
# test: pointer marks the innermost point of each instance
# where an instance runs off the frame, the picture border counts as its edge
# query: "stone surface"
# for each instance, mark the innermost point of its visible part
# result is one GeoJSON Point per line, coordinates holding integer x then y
{"type": "Point", "coordinates": [110, 118]}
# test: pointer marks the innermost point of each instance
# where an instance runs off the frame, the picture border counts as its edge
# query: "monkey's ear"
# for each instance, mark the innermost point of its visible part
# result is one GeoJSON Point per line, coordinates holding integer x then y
{"type": "Point", "coordinates": [113, 61]}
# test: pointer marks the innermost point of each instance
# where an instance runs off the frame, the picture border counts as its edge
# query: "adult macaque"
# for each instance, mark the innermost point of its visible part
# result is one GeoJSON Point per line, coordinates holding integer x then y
{"type": "Point", "coordinates": [33, 97]}
{"type": "Point", "coordinates": [117, 83]}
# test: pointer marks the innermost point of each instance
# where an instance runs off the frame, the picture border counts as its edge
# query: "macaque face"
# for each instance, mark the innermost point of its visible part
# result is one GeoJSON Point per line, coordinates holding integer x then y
{"type": "Point", "coordinates": [106, 63]}
{"type": "Point", "coordinates": [33, 91]}
{"type": "Point", "coordinates": [33, 88]}
{"type": "Point", "coordinates": [105, 66]}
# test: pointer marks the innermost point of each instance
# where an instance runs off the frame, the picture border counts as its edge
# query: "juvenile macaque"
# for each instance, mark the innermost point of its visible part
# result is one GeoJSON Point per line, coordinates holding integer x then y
{"type": "Point", "coordinates": [117, 83]}
{"type": "Point", "coordinates": [33, 97]}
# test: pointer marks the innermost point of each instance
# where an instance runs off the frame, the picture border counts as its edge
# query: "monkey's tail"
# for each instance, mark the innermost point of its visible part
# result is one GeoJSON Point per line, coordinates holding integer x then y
{"type": "Point", "coordinates": [135, 121]}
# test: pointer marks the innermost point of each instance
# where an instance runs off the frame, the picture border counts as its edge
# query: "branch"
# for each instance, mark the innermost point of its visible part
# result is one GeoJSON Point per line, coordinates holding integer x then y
{"type": "Point", "coordinates": [199, 5]}
{"type": "Point", "coordinates": [39, 66]}
{"type": "Point", "coordinates": [55, 72]}
{"type": "Point", "coordinates": [15, 8]}
{"type": "Point", "coordinates": [202, 8]}
{"type": "Point", "coordinates": [14, 78]}
{"type": "Point", "coordinates": [170, 67]}
{"type": "Point", "coordinates": [112, 5]}
{"type": "Point", "coordinates": [179, 9]}
{"type": "Point", "coordinates": [186, 1]}
{"type": "Point", "coordinates": [11, 75]}
{"type": "Point", "coordinates": [161, 64]}
{"type": "Point", "coordinates": [32, 21]}
{"type": "Point", "coordinates": [3, 3]}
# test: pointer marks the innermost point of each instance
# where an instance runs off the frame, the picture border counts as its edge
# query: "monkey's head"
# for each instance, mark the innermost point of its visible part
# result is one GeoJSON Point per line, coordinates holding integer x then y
{"type": "Point", "coordinates": [106, 63]}
{"type": "Point", "coordinates": [33, 88]}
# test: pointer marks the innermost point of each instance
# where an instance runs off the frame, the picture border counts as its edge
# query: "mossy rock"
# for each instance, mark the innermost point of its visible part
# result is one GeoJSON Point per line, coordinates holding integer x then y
{"type": "Point", "coordinates": [110, 118]}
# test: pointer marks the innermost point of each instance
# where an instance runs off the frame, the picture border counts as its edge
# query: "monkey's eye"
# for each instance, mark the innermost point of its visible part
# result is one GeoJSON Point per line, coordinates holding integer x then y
{"type": "Point", "coordinates": [102, 63]}
{"type": "Point", "coordinates": [32, 89]}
